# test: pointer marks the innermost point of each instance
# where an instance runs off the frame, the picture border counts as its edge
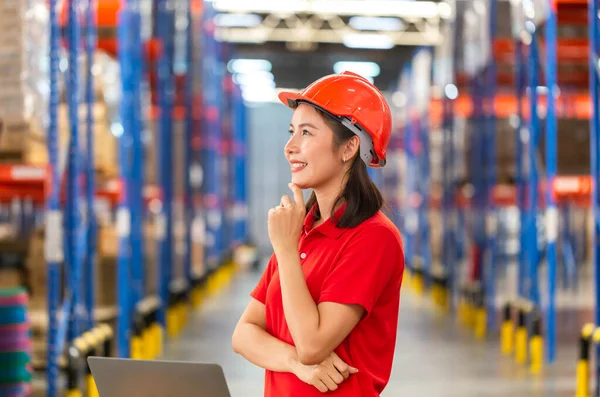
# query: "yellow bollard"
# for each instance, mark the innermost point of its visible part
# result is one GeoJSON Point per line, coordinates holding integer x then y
{"type": "Point", "coordinates": [536, 345]}
{"type": "Point", "coordinates": [406, 278]}
{"type": "Point", "coordinates": [148, 343]}
{"type": "Point", "coordinates": [419, 285]}
{"type": "Point", "coordinates": [521, 338]}
{"type": "Point", "coordinates": [521, 345]}
{"type": "Point", "coordinates": [507, 332]}
{"type": "Point", "coordinates": [92, 389]}
{"type": "Point", "coordinates": [470, 312]}
{"type": "Point", "coordinates": [136, 348]}
{"type": "Point", "coordinates": [196, 297]}
{"type": "Point", "coordinates": [74, 393]}
{"type": "Point", "coordinates": [158, 340]}
{"type": "Point", "coordinates": [210, 284]}
{"type": "Point", "coordinates": [92, 339]}
{"type": "Point", "coordinates": [583, 376]}
{"type": "Point", "coordinates": [464, 313]}
{"type": "Point", "coordinates": [444, 299]}
{"type": "Point", "coordinates": [536, 349]}
{"type": "Point", "coordinates": [583, 365]}
{"type": "Point", "coordinates": [480, 323]}
{"type": "Point", "coordinates": [182, 316]}
{"type": "Point", "coordinates": [171, 322]}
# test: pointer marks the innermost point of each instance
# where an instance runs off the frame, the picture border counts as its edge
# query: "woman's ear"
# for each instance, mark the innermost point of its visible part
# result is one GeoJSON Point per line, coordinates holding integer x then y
{"type": "Point", "coordinates": [352, 147]}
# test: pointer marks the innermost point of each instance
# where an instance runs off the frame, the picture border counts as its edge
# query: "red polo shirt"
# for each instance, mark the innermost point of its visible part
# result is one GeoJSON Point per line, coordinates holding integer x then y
{"type": "Point", "coordinates": [362, 265]}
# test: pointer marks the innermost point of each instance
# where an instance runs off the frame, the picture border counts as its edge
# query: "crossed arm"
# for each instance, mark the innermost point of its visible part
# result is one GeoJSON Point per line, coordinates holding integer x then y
{"type": "Point", "coordinates": [316, 329]}
{"type": "Point", "coordinates": [252, 341]}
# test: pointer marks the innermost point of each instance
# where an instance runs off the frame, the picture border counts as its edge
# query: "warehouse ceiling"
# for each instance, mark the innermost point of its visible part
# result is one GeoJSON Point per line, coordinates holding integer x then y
{"type": "Point", "coordinates": [303, 44]}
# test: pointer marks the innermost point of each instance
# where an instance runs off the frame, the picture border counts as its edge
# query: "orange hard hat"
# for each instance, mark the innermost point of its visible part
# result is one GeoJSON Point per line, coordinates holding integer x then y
{"type": "Point", "coordinates": [357, 104]}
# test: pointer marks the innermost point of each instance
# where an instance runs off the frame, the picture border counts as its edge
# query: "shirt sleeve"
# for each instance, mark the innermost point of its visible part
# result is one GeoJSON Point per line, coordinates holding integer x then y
{"type": "Point", "coordinates": [366, 267]}
{"type": "Point", "coordinates": [260, 290]}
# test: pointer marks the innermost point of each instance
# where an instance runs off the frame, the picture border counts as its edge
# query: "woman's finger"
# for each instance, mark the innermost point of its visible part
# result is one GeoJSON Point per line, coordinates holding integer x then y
{"type": "Point", "coordinates": [286, 202]}
{"type": "Point", "coordinates": [341, 366]}
{"type": "Point", "coordinates": [331, 385]}
{"type": "Point", "coordinates": [336, 376]}
{"type": "Point", "coordinates": [321, 386]}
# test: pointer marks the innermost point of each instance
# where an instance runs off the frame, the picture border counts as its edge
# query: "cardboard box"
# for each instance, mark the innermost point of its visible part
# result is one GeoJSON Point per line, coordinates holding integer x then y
{"type": "Point", "coordinates": [105, 143]}
{"type": "Point", "coordinates": [21, 142]}
{"type": "Point", "coordinates": [10, 278]}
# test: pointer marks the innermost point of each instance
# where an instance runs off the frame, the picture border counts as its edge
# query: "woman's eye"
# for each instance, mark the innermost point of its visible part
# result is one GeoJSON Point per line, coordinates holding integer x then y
{"type": "Point", "coordinates": [291, 132]}
{"type": "Point", "coordinates": [305, 132]}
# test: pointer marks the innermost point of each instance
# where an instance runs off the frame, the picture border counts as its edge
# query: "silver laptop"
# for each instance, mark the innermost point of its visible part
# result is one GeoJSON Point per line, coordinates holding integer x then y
{"type": "Point", "coordinates": [117, 377]}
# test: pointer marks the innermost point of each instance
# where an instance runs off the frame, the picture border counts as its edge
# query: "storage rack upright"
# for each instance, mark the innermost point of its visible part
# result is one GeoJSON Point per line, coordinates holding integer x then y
{"type": "Point", "coordinates": [77, 254]}
{"type": "Point", "coordinates": [594, 50]}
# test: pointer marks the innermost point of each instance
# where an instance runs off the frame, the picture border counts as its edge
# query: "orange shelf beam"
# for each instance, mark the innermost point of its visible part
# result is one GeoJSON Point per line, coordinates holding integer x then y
{"type": "Point", "coordinates": [576, 80]}
{"type": "Point", "coordinates": [505, 105]}
{"type": "Point", "coordinates": [574, 50]}
{"type": "Point", "coordinates": [112, 192]}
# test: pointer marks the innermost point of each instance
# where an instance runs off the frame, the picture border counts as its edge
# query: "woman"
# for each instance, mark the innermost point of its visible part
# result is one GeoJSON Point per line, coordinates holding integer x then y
{"type": "Point", "coordinates": [324, 315]}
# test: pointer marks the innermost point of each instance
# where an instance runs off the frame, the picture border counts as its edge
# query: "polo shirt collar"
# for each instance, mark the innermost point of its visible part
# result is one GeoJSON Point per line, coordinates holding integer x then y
{"type": "Point", "coordinates": [328, 228]}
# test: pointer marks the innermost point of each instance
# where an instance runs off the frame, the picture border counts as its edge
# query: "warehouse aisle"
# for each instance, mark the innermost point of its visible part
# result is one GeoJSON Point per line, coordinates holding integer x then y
{"type": "Point", "coordinates": [435, 358]}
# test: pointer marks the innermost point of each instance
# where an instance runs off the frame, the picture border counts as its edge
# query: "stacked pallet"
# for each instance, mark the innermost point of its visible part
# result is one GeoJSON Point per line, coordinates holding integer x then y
{"type": "Point", "coordinates": [15, 344]}
{"type": "Point", "coordinates": [23, 78]}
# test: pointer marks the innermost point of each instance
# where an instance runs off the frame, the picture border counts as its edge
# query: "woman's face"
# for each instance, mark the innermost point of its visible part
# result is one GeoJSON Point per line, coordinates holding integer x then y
{"type": "Point", "coordinates": [310, 150]}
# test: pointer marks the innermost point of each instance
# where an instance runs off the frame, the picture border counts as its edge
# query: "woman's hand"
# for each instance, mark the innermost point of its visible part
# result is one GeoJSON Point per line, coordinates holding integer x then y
{"type": "Point", "coordinates": [286, 220]}
{"type": "Point", "coordinates": [327, 375]}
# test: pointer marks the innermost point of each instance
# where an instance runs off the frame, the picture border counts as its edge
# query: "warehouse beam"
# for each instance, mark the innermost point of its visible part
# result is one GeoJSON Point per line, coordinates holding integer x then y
{"type": "Point", "coordinates": [299, 25]}
{"type": "Point", "coordinates": [402, 9]}
{"type": "Point", "coordinates": [337, 36]}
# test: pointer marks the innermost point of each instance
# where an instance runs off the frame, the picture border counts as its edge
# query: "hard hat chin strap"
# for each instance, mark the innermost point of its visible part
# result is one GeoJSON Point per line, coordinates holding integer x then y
{"type": "Point", "coordinates": [367, 149]}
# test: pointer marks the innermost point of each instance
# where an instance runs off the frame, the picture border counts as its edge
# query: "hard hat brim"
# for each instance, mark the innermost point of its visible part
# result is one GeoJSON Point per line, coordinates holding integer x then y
{"type": "Point", "coordinates": [290, 99]}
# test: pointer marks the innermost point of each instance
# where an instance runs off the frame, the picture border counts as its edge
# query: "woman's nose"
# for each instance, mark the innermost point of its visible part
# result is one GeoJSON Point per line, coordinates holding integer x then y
{"type": "Point", "coordinates": [291, 146]}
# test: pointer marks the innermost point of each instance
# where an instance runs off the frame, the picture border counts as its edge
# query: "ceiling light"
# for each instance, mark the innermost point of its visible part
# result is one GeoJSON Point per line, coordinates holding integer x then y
{"type": "Point", "coordinates": [368, 41]}
{"type": "Point", "coordinates": [237, 20]}
{"type": "Point", "coordinates": [445, 10]}
{"type": "Point", "coordinates": [403, 9]}
{"type": "Point", "coordinates": [249, 65]}
{"type": "Point", "coordinates": [254, 79]}
{"type": "Point", "coordinates": [259, 95]}
{"type": "Point", "coordinates": [376, 23]}
{"type": "Point", "coordinates": [367, 69]}
{"type": "Point", "coordinates": [451, 91]}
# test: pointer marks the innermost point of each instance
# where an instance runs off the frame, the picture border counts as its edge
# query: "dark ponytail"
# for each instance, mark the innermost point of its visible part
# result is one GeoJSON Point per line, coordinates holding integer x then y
{"type": "Point", "coordinates": [363, 198]}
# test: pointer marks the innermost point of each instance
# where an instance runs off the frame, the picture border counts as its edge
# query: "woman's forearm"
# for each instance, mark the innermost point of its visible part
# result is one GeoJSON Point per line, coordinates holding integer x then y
{"type": "Point", "coordinates": [263, 349]}
{"type": "Point", "coordinates": [301, 311]}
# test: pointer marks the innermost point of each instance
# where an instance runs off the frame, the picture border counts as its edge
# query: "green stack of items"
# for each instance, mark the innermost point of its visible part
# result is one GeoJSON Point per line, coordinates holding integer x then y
{"type": "Point", "coordinates": [15, 343]}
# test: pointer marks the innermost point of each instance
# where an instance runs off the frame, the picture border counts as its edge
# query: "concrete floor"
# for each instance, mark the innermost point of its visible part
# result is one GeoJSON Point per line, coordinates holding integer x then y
{"type": "Point", "coordinates": [435, 356]}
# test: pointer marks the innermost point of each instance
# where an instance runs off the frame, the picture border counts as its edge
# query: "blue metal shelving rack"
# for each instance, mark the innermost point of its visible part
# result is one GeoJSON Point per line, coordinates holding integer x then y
{"type": "Point", "coordinates": [483, 174]}
{"type": "Point", "coordinates": [77, 251]}
{"type": "Point", "coordinates": [520, 80]}
{"type": "Point", "coordinates": [90, 191]}
{"type": "Point", "coordinates": [416, 202]}
{"type": "Point", "coordinates": [165, 21]}
{"type": "Point", "coordinates": [489, 262]}
{"type": "Point", "coordinates": [130, 283]}
{"type": "Point", "coordinates": [529, 130]}
{"type": "Point", "coordinates": [551, 224]}
{"type": "Point", "coordinates": [54, 227]}
{"type": "Point", "coordinates": [73, 205]}
{"type": "Point", "coordinates": [450, 250]}
{"type": "Point", "coordinates": [212, 77]}
{"type": "Point", "coordinates": [240, 208]}
{"type": "Point", "coordinates": [410, 217]}
{"type": "Point", "coordinates": [594, 36]}
{"type": "Point", "coordinates": [124, 280]}
{"type": "Point", "coordinates": [190, 124]}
